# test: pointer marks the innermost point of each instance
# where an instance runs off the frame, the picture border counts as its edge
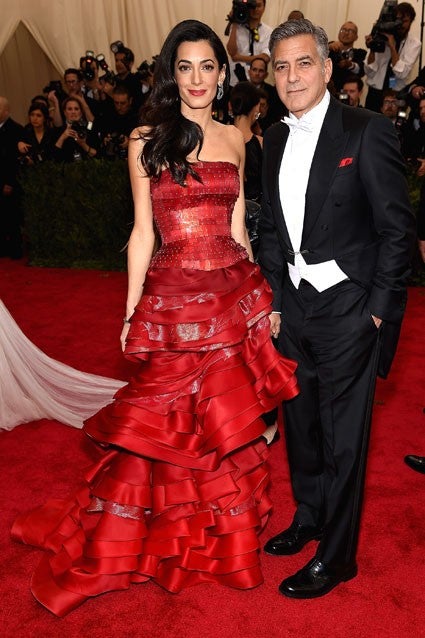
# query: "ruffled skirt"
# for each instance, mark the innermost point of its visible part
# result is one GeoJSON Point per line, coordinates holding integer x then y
{"type": "Point", "coordinates": [180, 494]}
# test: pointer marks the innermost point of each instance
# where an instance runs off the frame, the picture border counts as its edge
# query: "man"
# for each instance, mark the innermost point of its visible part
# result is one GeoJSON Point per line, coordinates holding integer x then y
{"type": "Point", "coordinates": [10, 212]}
{"type": "Point", "coordinates": [346, 60]}
{"type": "Point", "coordinates": [353, 87]}
{"type": "Point", "coordinates": [257, 75]}
{"type": "Point", "coordinates": [117, 126]}
{"type": "Point", "coordinates": [124, 60]}
{"type": "Point", "coordinates": [335, 240]}
{"type": "Point", "coordinates": [248, 41]}
{"type": "Point", "coordinates": [74, 84]}
{"type": "Point", "coordinates": [391, 68]}
{"type": "Point", "coordinates": [390, 105]}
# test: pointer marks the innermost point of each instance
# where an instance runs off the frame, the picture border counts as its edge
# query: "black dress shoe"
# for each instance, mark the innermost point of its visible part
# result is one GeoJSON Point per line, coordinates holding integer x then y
{"type": "Point", "coordinates": [292, 540]}
{"type": "Point", "coordinates": [415, 462]}
{"type": "Point", "coordinates": [314, 580]}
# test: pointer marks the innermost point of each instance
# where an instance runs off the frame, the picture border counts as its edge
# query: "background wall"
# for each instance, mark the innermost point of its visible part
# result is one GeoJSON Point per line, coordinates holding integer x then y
{"type": "Point", "coordinates": [40, 38]}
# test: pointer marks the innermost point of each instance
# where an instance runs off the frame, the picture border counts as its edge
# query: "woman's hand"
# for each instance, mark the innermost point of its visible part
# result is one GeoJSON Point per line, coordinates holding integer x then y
{"type": "Point", "coordinates": [275, 321]}
{"type": "Point", "coordinates": [23, 147]}
{"type": "Point", "coordinates": [124, 333]}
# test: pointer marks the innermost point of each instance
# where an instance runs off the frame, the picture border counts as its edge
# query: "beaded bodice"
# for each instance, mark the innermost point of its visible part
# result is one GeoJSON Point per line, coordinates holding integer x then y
{"type": "Point", "coordinates": [194, 221]}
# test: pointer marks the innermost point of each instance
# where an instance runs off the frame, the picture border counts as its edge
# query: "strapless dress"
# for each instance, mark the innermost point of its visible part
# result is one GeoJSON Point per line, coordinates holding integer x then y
{"type": "Point", "coordinates": [180, 493]}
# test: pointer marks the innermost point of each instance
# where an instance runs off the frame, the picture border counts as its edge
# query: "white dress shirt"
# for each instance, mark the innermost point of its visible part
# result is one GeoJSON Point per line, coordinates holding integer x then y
{"type": "Point", "coordinates": [408, 54]}
{"type": "Point", "coordinates": [293, 179]}
{"type": "Point", "coordinates": [243, 40]}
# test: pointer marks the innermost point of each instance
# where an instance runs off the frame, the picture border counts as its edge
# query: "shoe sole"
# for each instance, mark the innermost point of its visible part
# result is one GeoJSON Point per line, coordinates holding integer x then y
{"type": "Point", "coordinates": [305, 596]}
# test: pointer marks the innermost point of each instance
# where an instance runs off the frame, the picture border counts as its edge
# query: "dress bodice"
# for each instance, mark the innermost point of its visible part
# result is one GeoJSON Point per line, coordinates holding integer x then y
{"type": "Point", "coordinates": [194, 221]}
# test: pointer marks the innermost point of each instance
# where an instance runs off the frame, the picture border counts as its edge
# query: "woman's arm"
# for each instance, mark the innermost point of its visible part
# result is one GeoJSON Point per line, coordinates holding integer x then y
{"type": "Point", "coordinates": [142, 238]}
{"type": "Point", "coordinates": [238, 227]}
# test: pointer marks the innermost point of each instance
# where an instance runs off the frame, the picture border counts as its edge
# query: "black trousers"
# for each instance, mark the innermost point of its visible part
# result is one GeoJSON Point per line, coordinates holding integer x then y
{"type": "Point", "coordinates": [336, 343]}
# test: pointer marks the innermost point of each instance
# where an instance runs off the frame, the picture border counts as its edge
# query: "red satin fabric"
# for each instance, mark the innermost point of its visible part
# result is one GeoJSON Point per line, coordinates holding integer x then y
{"type": "Point", "coordinates": [180, 493]}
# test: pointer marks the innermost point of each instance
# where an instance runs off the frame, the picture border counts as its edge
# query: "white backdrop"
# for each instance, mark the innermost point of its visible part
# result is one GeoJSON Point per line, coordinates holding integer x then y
{"type": "Point", "coordinates": [64, 29]}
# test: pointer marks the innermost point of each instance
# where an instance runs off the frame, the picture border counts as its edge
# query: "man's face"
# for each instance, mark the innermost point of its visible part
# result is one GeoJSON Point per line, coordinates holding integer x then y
{"type": "Point", "coordinates": [257, 72]}
{"type": "Point", "coordinates": [404, 28]}
{"type": "Point", "coordinates": [257, 13]}
{"type": "Point", "coordinates": [121, 66]}
{"type": "Point", "coordinates": [73, 84]}
{"type": "Point", "coordinates": [389, 107]}
{"type": "Point", "coordinates": [300, 75]}
{"type": "Point", "coordinates": [122, 104]}
{"type": "Point", "coordinates": [353, 93]}
{"type": "Point", "coordinates": [348, 34]}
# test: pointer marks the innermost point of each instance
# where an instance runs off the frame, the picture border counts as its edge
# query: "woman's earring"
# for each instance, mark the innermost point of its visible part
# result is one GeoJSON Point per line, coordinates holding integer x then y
{"type": "Point", "coordinates": [220, 91]}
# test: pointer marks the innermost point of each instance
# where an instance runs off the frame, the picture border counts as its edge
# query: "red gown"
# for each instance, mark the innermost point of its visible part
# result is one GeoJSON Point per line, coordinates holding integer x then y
{"type": "Point", "coordinates": [180, 494]}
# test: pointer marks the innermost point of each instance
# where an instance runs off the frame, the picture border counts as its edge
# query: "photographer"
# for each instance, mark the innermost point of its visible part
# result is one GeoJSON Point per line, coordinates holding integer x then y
{"type": "Point", "coordinates": [346, 60]}
{"type": "Point", "coordinates": [117, 126]}
{"type": "Point", "coordinates": [353, 87]}
{"type": "Point", "coordinates": [247, 40]}
{"type": "Point", "coordinates": [76, 140]}
{"type": "Point", "coordinates": [124, 60]}
{"type": "Point", "coordinates": [390, 68]}
{"type": "Point", "coordinates": [74, 83]}
{"type": "Point", "coordinates": [37, 140]}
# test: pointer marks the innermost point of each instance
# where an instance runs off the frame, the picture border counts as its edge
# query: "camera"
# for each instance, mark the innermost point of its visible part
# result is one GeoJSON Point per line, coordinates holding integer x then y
{"type": "Point", "coordinates": [86, 66]}
{"type": "Point", "coordinates": [117, 46]}
{"type": "Point", "coordinates": [54, 85]}
{"type": "Point", "coordinates": [343, 97]}
{"type": "Point", "coordinates": [81, 129]}
{"type": "Point", "coordinates": [145, 70]}
{"type": "Point", "coordinates": [113, 146]}
{"type": "Point", "coordinates": [108, 76]}
{"type": "Point", "coordinates": [240, 13]}
{"type": "Point", "coordinates": [386, 23]}
{"type": "Point", "coordinates": [241, 9]}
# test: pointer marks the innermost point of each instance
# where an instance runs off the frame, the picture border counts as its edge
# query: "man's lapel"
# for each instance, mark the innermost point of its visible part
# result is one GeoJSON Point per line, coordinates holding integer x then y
{"type": "Point", "coordinates": [329, 150]}
{"type": "Point", "coordinates": [275, 153]}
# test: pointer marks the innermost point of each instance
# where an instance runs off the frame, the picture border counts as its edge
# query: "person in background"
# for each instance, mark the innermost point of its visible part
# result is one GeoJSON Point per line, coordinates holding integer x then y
{"type": "Point", "coordinates": [296, 14]}
{"type": "Point", "coordinates": [74, 84]}
{"type": "Point", "coordinates": [76, 140]}
{"type": "Point", "coordinates": [346, 60]}
{"type": "Point", "coordinates": [258, 73]}
{"type": "Point", "coordinates": [353, 87]}
{"type": "Point", "coordinates": [391, 68]}
{"type": "Point", "coordinates": [10, 210]}
{"type": "Point", "coordinates": [390, 104]}
{"type": "Point", "coordinates": [248, 41]}
{"type": "Point", "coordinates": [38, 138]}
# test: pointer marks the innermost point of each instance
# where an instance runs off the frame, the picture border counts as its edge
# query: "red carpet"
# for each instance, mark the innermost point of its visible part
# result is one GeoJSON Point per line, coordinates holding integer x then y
{"type": "Point", "coordinates": [76, 316]}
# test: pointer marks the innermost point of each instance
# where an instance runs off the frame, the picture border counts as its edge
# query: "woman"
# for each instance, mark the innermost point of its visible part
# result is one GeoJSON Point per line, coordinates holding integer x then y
{"type": "Point", "coordinates": [76, 140]}
{"type": "Point", "coordinates": [245, 104]}
{"type": "Point", "coordinates": [37, 140]}
{"type": "Point", "coordinates": [180, 495]}
{"type": "Point", "coordinates": [34, 386]}
{"type": "Point", "coordinates": [245, 101]}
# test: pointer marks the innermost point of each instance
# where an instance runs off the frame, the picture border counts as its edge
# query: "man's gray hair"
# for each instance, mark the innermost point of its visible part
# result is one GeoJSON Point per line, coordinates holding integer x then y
{"type": "Point", "coordinates": [291, 28]}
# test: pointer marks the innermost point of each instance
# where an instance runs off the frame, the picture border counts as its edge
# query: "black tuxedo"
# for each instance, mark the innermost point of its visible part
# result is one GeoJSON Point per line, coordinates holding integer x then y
{"type": "Point", "coordinates": [357, 213]}
{"type": "Point", "coordinates": [10, 215]}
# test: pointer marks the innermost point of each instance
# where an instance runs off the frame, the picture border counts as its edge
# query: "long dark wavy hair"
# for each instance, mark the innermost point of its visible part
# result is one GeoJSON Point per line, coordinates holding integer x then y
{"type": "Point", "coordinates": [171, 136]}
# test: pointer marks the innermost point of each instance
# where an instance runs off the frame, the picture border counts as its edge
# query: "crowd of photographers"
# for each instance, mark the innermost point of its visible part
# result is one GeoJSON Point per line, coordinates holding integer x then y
{"type": "Point", "coordinates": [93, 111]}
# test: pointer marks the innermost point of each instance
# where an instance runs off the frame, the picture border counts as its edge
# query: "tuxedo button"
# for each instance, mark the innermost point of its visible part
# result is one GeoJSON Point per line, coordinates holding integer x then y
{"type": "Point", "coordinates": [337, 203]}
{"type": "Point", "coordinates": [324, 227]}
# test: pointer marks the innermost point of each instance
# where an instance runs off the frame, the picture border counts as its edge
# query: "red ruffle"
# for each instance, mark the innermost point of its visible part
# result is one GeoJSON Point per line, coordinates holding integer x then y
{"type": "Point", "coordinates": [181, 497]}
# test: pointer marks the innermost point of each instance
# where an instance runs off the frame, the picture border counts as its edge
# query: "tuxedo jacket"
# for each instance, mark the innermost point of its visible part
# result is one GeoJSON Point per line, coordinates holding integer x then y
{"type": "Point", "coordinates": [10, 134]}
{"type": "Point", "coordinates": [357, 210]}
